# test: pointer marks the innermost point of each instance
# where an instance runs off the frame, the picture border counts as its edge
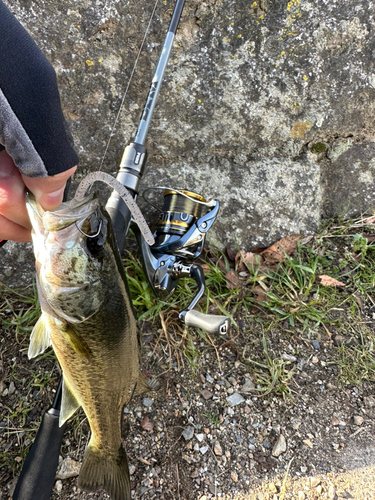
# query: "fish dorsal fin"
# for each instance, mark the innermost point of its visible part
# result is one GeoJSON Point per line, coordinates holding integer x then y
{"type": "Point", "coordinates": [40, 338]}
{"type": "Point", "coordinates": [69, 403]}
{"type": "Point", "coordinates": [76, 342]}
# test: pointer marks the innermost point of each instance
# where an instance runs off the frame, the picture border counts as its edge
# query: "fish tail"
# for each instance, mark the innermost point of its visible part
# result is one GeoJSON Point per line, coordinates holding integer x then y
{"type": "Point", "coordinates": [99, 471]}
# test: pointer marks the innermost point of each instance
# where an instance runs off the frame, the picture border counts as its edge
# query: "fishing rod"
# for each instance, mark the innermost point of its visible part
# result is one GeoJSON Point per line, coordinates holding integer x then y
{"type": "Point", "coordinates": [185, 219]}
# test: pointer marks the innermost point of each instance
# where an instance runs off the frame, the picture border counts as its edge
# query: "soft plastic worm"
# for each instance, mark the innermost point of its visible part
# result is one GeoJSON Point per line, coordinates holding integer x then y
{"type": "Point", "coordinates": [86, 184]}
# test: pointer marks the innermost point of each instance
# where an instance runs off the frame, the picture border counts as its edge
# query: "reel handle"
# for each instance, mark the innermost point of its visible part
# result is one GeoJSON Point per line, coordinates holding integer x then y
{"type": "Point", "coordinates": [211, 323]}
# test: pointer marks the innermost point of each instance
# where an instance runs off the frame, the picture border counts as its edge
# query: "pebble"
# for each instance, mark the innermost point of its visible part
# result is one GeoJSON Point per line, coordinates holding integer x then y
{"type": "Point", "coordinates": [132, 470]}
{"type": "Point", "coordinates": [12, 388]}
{"type": "Point", "coordinates": [316, 345]}
{"type": "Point", "coordinates": [209, 379]}
{"type": "Point", "coordinates": [199, 437]}
{"type": "Point", "coordinates": [58, 486]}
{"type": "Point", "coordinates": [248, 385]}
{"type": "Point", "coordinates": [272, 488]}
{"type": "Point", "coordinates": [218, 450]}
{"type": "Point", "coordinates": [338, 340]}
{"type": "Point", "coordinates": [289, 357]}
{"type": "Point", "coordinates": [203, 449]}
{"type": "Point", "coordinates": [335, 421]}
{"type": "Point", "coordinates": [358, 420]}
{"type": "Point", "coordinates": [234, 476]}
{"type": "Point", "coordinates": [301, 495]}
{"type": "Point", "coordinates": [235, 399]}
{"type": "Point", "coordinates": [147, 402]}
{"type": "Point", "coordinates": [206, 394]}
{"type": "Point", "coordinates": [303, 469]}
{"type": "Point", "coordinates": [188, 433]}
{"type": "Point", "coordinates": [314, 481]}
{"type": "Point", "coordinates": [279, 446]}
{"type": "Point", "coordinates": [68, 468]}
{"type": "Point", "coordinates": [342, 425]}
{"type": "Point", "coordinates": [332, 492]}
{"type": "Point", "coordinates": [308, 443]}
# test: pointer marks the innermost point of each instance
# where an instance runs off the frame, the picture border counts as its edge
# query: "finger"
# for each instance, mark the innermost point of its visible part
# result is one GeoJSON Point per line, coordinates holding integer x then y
{"type": "Point", "coordinates": [12, 192]}
{"type": "Point", "coordinates": [11, 231]}
{"type": "Point", "coordinates": [48, 191]}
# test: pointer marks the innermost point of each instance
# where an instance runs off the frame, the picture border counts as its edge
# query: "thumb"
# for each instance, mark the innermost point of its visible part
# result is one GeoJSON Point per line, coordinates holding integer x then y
{"type": "Point", "coordinates": [48, 191]}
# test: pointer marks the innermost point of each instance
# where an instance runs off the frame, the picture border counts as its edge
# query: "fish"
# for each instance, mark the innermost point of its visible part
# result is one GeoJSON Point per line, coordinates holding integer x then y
{"type": "Point", "coordinates": [88, 318]}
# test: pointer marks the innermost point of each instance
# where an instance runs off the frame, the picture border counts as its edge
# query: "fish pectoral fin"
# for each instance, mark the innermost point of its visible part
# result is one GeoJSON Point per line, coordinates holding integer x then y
{"type": "Point", "coordinates": [69, 403]}
{"type": "Point", "coordinates": [40, 338]}
{"type": "Point", "coordinates": [145, 385]}
{"type": "Point", "coordinates": [76, 342]}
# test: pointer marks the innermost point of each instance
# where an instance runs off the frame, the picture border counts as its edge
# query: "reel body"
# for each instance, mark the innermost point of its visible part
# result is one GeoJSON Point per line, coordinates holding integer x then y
{"type": "Point", "coordinates": [184, 221]}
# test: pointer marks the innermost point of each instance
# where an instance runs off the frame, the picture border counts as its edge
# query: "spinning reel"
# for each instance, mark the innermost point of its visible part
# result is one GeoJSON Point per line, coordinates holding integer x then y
{"type": "Point", "coordinates": [184, 221]}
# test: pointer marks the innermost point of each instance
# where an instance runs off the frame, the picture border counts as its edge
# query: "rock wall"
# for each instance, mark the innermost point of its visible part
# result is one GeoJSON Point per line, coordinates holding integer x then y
{"type": "Point", "coordinates": [267, 106]}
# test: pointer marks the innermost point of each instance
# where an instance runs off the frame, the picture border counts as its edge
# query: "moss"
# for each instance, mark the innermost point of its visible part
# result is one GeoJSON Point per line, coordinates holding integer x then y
{"type": "Point", "coordinates": [319, 147]}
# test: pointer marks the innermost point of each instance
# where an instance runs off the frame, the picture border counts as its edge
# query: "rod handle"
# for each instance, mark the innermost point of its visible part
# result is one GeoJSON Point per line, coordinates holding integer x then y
{"type": "Point", "coordinates": [38, 474]}
{"type": "Point", "coordinates": [211, 323]}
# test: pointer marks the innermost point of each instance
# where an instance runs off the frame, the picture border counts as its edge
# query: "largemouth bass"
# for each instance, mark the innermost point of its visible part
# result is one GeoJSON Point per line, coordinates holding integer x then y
{"type": "Point", "coordinates": [88, 319]}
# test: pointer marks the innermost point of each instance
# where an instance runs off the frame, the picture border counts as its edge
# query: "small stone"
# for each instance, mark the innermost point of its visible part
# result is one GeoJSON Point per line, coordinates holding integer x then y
{"type": "Point", "coordinates": [58, 486]}
{"type": "Point", "coordinates": [188, 433]}
{"type": "Point", "coordinates": [209, 379]}
{"type": "Point", "coordinates": [147, 402]}
{"type": "Point", "coordinates": [316, 345]}
{"type": "Point", "coordinates": [12, 388]}
{"type": "Point", "coordinates": [338, 340]}
{"type": "Point", "coordinates": [335, 421]}
{"type": "Point", "coordinates": [132, 470]}
{"type": "Point", "coordinates": [314, 481]}
{"type": "Point", "coordinates": [303, 469]}
{"type": "Point", "coordinates": [301, 495]}
{"type": "Point", "coordinates": [342, 425]}
{"type": "Point", "coordinates": [218, 450]}
{"type": "Point", "coordinates": [289, 357]}
{"type": "Point", "coordinates": [369, 401]}
{"type": "Point", "coordinates": [315, 360]}
{"type": "Point", "coordinates": [203, 449]}
{"type": "Point", "coordinates": [200, 437]}
{"type": "Point", "coordinates": [248, 385]}
{"type": "Point", "coordinates": [358, 420]}
{"type": "Point", "coordinates": [234, 476]}
{"type": "Point", "coordinates": [68, 468]}
{"type": "Point", "coordinates": [230, 412]}
{"type": "Point", "coordinates": [272, 488]}
{"type": "Point", "coordinates": [319, 489]}
{"type": "Point", "coordinates": [279, 446]}
{"type": "Point", "coordinates": [235, 399]}
{"type": "Point", "coordinates": [332, 492]}
{"type": "Point", "coordinates": [308, 443]}
{"type": "Point", "coordinates": [206, 394]}
{"type": "Point", "coordinates": [5, 392]}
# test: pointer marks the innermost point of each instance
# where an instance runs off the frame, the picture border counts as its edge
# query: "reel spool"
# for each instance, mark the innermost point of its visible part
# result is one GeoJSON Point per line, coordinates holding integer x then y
{"type": "Point", "coordinates": [180, 210]}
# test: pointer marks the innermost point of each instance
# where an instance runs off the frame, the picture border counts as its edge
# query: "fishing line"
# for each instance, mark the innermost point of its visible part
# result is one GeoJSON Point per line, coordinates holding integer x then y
{"type": "Point", "coordinates": [128, 85]}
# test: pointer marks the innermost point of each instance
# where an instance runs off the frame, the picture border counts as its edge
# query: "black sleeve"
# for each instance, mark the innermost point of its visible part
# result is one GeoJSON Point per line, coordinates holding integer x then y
{"type": "Point", "coordinates": [32, 126]}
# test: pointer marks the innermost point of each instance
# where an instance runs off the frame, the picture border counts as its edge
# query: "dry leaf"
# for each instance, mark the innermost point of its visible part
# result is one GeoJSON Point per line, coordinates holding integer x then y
{"type": "Point", "coordinates": [245, 260]}
{"type": "Point", "coordinates": [277, 251]}
{"type": "Point", "coordinates": [260, 295]}
{"type": "Point", "coordinates": [231, 254]}
{"type": "Point", "coordinates": [233, 281]}
{"type": "Point", "coordinates": [205, 267]}
{"type": "Point", "coordinates": [147, 425]}
{"type": "Point", "coordinates": [328, 281]}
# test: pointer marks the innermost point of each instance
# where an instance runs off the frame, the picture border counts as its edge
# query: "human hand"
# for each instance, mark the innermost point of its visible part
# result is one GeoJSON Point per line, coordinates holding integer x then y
{"type": "Point", "coordinates": [48, 191]}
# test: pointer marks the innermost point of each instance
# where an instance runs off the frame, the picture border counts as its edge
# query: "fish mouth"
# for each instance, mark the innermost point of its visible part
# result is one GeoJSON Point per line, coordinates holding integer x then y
{"type": "Point", "coordinates": [68, 213]}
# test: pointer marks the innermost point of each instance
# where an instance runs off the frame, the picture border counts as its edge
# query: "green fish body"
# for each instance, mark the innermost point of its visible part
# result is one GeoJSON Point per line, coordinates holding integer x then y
{"type": "Point", "coordinates": [88, 319]}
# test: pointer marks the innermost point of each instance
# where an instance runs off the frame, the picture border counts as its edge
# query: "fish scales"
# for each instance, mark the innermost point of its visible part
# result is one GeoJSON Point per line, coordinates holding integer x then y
{"type": "Point", "coordinates": [89, 320]}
